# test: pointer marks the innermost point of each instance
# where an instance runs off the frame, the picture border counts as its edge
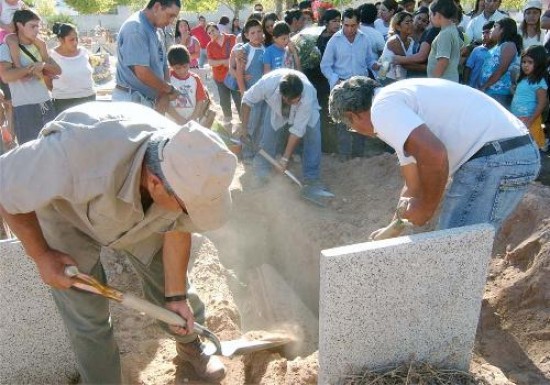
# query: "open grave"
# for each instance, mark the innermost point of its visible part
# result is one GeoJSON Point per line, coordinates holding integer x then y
{"type": "Point", "coordinates": [260, 273]}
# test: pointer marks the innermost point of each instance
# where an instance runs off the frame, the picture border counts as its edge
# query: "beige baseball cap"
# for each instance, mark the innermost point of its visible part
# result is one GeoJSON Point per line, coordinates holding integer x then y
{"type": "Point", "coordinates": [199, 168]}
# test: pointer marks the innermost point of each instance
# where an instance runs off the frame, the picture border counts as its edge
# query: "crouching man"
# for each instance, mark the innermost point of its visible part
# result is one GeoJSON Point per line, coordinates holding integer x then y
{"type": "Point", "coordinates": [291, 105]}
{"type": "Point", "coordinates": [122, 176]}
{"type": "Point", "coordinates": [439, 129]}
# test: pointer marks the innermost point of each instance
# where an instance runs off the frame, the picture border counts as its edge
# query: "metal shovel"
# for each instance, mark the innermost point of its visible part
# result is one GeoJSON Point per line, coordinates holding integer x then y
{"type": "Point", "coordinates": [314, 194]}
{"type": "Point", "coordinates": [213, 346]}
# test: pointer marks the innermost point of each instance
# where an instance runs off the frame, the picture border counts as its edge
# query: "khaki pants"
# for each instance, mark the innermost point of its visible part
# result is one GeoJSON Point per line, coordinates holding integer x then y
{"type": "Point", "coordinates": [89, 323]}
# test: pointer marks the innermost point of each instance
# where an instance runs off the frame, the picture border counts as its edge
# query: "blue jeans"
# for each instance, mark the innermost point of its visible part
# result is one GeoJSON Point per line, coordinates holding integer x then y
{"type": "Point", "coordinates": [132, 96]}
{"type": "Point", "coordinates": [311, 149]}
{"type": "Point", "coordinates": [254, 129]}
{"type": "Point", "coordinates": [488, 189]}
{"type": "Point", "coordinates": [349, 143]}
{"type": "Point", "coordinates": [202, 58]}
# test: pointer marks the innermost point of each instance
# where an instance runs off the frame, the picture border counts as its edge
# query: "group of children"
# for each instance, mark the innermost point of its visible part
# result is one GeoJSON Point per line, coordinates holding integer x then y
{"type": "Point", "coordinates": [530, 97]}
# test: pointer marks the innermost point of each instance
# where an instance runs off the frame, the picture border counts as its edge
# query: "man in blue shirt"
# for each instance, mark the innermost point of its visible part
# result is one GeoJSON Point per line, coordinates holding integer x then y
{"type": "Point", "coordinates": [142, 67]}
{"type": "Point", "coordinates": [348, 54]}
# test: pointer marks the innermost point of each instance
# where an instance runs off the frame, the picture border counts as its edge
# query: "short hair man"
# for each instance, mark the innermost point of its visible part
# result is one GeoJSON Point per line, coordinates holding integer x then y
{"type": "Point", "coordinates": [348, 54]}
{"type": "Point", "coordinates": [142, 67]}
{"type": "Point", "coordinates": [490, 13]}
{"type": "Point", "coordinates": [291, 104]}
{"type": "Point", "coordinates": [199, 31]}
{"type": "Point", "coordinates": [258, 7]}
{"type": "Point", "coordinates": [103, 176]}
{"type": "Point", "coordinates": [487, 151]}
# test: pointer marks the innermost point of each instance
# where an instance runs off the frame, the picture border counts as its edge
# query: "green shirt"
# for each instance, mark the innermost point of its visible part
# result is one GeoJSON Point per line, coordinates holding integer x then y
{"type": "Point", "coordinates": [446, 45]}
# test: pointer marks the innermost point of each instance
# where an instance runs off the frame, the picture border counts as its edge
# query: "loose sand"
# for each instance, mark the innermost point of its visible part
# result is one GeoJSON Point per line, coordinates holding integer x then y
{"type": "Point", "coordinates": [274, 235]}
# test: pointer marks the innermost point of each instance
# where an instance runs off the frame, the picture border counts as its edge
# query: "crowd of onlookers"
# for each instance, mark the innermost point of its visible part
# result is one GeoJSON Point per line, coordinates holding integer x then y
{"type": "Point", "coordinates": [388, 41]}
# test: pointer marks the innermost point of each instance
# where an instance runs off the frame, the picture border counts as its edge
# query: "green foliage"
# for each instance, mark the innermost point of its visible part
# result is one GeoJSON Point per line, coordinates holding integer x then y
{"type": "Point", "coordinates": [200, 5]}
{"type": "Point", "coordinates": [512, 5]}
{"type": "Point", "coordinates": [45, 8]}
{"type": "Point", "coordinates": [60, 18]}
{"type": "Point", "coordinates": [90, 7]}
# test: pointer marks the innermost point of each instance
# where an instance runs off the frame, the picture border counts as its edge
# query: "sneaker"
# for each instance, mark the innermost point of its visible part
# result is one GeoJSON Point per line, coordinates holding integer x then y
{"type": "Point", "coordinates": [208, 368]}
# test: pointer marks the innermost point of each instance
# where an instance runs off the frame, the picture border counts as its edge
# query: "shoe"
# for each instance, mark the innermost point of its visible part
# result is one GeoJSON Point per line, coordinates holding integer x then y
{"type": "Point", "coordinates": [208, 368]}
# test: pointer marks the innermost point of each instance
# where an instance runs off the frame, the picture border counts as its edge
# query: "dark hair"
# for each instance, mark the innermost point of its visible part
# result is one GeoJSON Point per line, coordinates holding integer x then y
{"type": "Point", "coordinates": [523, 26]}
{"type": "Point", "coordinates": [474, 11]}
{"type": "Point", "coordinates": [305, 4]}
{"type": "Point", "coordinates": [178, 33]}
{"type": "Point", "coordinates": [234, 29]}
{"type": "Point", "coordinates": [224, 20]}
{"type": "Point", "coordinates": [510, 32]}
{"type": "Point", "coordinates": [422, 10]}
{"type": "Point", "coordinates": [291, 86]}
{"type": "Point", "coordinates": [211, 25]}
{"type": "Point", "coordinates": [539, 56]}
{"type": "Point", "coordinates": [446, 8]}
{"type": "Point", "coordinates": [350, 13]}
{"type": "Point", "coordinates": [488, 26]}
{"type": "Point", "coordinates": [397, 19]}
{"type": "Point", "coordinates": [391, 5]}
{"type": "Point", "coordinates": [23, 16]}
{"type": "Point", "coordinates": [368, 13]}
{"type": "Point", "coordinates": [291, 15]}
{"type": "Point", "coordinates": [163, 3]}
{"type": "Point", "coordinates": [178, 54]}
{"type": "Point", "coordinates": [260, 4]}
{"type": "Point", "coordinates": [281, 28]}
{"type": "Point", "coordinates": [201, 17]}
{"type": "Point", "coordinates": [331, 14]}
{"type": "Point", "coordinates": [251, 23]}
{"type": "Point", "coordinates": [61, 30]}
{"type": "Point", "coordinates": [268, 37]}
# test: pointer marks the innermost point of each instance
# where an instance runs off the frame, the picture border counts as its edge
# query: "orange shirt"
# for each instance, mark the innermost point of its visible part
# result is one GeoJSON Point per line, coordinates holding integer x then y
{"type": "Point", "coordinates": [216, 52]}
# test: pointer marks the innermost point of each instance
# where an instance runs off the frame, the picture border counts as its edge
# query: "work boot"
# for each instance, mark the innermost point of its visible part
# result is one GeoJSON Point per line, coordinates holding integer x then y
{"type": "Point", "coordinates": [208, 368]}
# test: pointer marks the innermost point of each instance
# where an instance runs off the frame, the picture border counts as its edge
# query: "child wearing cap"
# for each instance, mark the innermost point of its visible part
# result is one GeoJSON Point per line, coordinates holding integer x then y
{"type": "Point", "coordinates": [192, 99]}
{"type": "Point", "coordinates": [530, 26]}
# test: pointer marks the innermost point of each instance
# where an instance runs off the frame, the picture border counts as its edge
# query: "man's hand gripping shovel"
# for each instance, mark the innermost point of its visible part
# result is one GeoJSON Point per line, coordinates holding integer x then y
{"type": "Point", "coordinates": [397, 225]}
{"type": "Point", "coordinates": [214, 346]}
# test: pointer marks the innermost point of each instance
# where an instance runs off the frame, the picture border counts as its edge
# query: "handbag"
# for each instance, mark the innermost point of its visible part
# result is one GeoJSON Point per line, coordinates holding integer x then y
{"type": "Point", "coordinates": [229, 80]}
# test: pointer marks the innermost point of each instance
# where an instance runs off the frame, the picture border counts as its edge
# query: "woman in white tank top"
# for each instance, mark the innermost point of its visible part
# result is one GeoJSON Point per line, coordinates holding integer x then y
{"type": "Point", "coordinates": [401, 43]}
{"type": "Point", "coordinates": [74, 85]}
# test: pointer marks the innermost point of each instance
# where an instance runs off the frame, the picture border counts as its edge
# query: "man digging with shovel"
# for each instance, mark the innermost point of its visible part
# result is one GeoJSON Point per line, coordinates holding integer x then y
{"type": "Point", "coordinates": [118, 175]}
{"type": "Point", "coordinates": [291, 106]}
{"type": "Point", "coordinates": [439, 129]}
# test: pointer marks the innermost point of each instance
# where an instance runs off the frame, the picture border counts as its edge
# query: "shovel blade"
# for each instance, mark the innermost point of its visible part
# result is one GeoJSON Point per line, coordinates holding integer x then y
{"type": "Point", "coordinates": [242, 346]}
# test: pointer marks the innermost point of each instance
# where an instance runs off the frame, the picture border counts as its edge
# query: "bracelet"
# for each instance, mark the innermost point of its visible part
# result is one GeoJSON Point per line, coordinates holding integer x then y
{"type": "Point", "coordinates": [176, 298]}
{"type": "Point", "coordinates": [284, 160]}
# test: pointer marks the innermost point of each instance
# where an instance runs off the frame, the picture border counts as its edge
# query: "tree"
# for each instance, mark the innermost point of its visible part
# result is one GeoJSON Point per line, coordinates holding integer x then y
{"type": "Point", "coordinates": [211, 5]}
{"type": "Point", "coordinates": [44, 8]}
{"type": "Point", "coordinates": [89, 7]}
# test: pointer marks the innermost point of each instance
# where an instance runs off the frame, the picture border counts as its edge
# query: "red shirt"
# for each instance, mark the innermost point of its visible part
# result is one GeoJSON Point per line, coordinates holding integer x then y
{"type": "Point", "coordinates": [200, 33]}
{"type": "Point", "coordinates": [216, 52]}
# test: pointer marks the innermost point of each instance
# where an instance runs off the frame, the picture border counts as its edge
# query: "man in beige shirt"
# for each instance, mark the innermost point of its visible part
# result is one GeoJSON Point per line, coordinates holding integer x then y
{"type": "Point", "coordinates": [101, 175]}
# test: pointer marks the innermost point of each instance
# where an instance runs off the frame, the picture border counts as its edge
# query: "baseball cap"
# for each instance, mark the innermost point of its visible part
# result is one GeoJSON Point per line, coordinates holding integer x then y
{"type": "Point", "coordinates": [199, 168]}
{"type": "Point", "coordinates": [533, 4]}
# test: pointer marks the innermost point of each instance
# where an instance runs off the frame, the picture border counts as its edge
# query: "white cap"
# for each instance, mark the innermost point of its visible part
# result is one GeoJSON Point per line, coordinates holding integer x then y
{"type": "Point", "coordinates": [533, 4]}
{"type": "Point", "coordinates": [199, 168]}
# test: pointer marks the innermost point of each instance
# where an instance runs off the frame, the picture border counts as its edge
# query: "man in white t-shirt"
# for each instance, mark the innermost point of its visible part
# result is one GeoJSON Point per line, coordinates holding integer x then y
{"type": "Point", "coordinates": [438, 129]}
{"type": "Point", "coordinates": [490, 13]}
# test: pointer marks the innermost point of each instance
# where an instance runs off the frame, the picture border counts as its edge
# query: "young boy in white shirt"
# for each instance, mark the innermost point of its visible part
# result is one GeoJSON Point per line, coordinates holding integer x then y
{"type": "Point", "coordinates": [193, 98]}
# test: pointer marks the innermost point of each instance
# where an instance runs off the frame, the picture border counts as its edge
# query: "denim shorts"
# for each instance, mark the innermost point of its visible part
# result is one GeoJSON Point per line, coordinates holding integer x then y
{"type": "Point", "coordinates": [488, 189]}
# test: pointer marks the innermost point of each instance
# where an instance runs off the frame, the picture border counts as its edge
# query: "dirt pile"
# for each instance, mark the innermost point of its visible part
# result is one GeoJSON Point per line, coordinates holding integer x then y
{"type": "Point", "coordinates": [261, 272]}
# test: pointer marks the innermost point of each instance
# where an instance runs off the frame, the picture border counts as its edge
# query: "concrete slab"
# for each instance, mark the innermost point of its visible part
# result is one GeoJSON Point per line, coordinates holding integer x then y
{"type": "Point", "coordinates": [34, 347]}
{"type": "Point", "coordinates": [383, 302]}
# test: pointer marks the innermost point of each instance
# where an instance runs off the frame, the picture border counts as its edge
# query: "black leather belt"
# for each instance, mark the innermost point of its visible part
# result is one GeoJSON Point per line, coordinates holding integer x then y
{"type": "Point", "coordinates": [502, 146]}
